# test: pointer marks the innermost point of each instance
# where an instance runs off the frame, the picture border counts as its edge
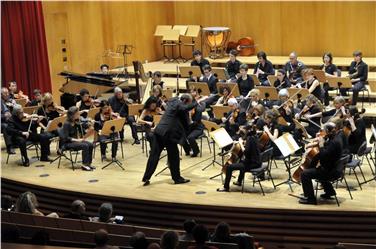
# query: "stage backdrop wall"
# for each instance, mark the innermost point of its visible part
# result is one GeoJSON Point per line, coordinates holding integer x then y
{"type": "Point", "coordinates": [310, 28]}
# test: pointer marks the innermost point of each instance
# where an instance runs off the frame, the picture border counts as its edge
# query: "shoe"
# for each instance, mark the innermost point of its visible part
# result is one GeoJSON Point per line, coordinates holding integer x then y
{"type": "Point", "coordinates": [182, 181]}
{"type": "Point", "coordinates": [146, 183]}
{"type": "Point", "coordinates": [136, 141]}
{"type": "Point", "coordinates": [92, 167]}
{"type": "Point", "coordinates": [327, 196]}
{"type": "Point", "coordinates": [26, 163]}
{"type": "Point", "coordinates": [223, 190]}
{"type": "Point", "coordinates": [194, 155]}
{"type": "Point", "coordinates": [308, 201]}
{"type": "Point", "coordinates": [187, 153]}
{"type": "Point", "coordinates": [237, 183]}
{"type": "Point", "coordinates": [86, 168]}
{"type": "Point", "coordinates": [45, 159]}
{"type": "Point", "coordinates": [103, 158]}
{"type": "Point", "coordinates": [11, 151]}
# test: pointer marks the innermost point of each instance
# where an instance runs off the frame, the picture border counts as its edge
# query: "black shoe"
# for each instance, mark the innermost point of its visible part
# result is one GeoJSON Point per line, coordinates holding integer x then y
{"type": "Point", "coordinates": [136, 141]}
{"type": "Point", "coordinates": [237, 183]}
{"type": "Point", "coordinates": [146, 183]}
{"type": "Point", "coordinates": [194, 155]}
{"type": "Point", "coordinates": [223, 190]}
{"type": "Point", "coordinates": [187, 153]}
{"type": "Point", "coordinates": [11, 151]}
{"type": "Point", "coordinates": [327, 196]}
{"type": "Point", "coordinates": [45, 159]}
{"type": "Point", "coordinates": [308, 201]}
{"type": "Point", "coordinates": [26, 163]}
{"type": "Point", "coordinates": [182, 181]}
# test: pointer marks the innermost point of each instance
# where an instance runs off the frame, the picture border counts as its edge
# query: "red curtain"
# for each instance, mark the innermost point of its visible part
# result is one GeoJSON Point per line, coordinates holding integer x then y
{"type": "Point", "coordinates": [24, 56]}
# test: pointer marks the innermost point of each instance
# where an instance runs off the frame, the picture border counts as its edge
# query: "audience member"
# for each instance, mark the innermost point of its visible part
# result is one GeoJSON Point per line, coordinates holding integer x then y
{"type": "Point", "coordinates": [188, 227]}
{"type": "Point", "coordinates": [105, 213]}
{"type": "Point", "coordinates": [139, 241]}
{"type": "Point", "coordinates": [78, 209]}
{"type": "Point", "coordinates": [222, 233]}
{"type": "Point", "coordinates": [101, 240]}
{"type": "Point", "coordinates": [170, 240]}
{"type": "Point", "coordinates": [201, 236]}
{"type": "Point", "coordinates": [154, 246]}
{"type": "Point", "coordinates": [27, 203]}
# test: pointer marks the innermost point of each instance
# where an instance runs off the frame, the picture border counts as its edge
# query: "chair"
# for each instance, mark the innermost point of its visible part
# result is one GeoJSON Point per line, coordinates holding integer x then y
{"type": "Point", "coordinates": [357, 162]}
{"type": "Point", "coordinates": [259, 173]}
{"type": "Point", "coordinates": [201, 137]}
{"type": "Point", "coordinates": [340, 167]}
{"type": "Point", "coordinates": [363, 90]}
{"type": "Point", "coordinates": [29, 146]}
{"type": "Point", "coordinates": [61, 152]}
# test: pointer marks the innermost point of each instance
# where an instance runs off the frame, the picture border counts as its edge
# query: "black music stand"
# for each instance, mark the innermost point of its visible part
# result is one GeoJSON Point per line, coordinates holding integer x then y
{"type": "Point", "coordinates": [125, 50]}
{"type": "Point", "coordinates": [111, 128]}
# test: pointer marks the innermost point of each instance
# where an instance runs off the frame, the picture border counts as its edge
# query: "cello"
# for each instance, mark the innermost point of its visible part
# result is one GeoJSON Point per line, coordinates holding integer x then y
{"type": "Point", "coordinates": [245, 46]}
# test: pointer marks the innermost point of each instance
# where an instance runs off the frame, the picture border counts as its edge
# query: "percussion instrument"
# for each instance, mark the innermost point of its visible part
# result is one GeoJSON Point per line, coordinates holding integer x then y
{"type": "Point", "coordinates": [216, 39]}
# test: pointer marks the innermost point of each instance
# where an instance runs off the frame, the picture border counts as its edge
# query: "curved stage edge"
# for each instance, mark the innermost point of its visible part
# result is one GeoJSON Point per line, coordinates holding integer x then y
{"type": "Point", "coordinates": [279, 227]}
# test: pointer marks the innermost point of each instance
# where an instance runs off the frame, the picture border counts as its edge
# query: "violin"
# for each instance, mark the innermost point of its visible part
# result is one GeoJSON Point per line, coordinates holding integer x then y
{"type": "Point", "coordinates": [20, 95]}
{"type": "Point", "coordinates": [92, 102]}
{"type": "Point", "coordinates": [53, 107]}
{"type": "Point", "coordinates": [32, 117]}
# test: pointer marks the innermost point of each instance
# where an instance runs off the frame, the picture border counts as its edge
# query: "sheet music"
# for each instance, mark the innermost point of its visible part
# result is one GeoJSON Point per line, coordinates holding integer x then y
{"type": "Point", "coordinates": [221, 137]}
{"type": "Point", "coordinates": [286, 144]}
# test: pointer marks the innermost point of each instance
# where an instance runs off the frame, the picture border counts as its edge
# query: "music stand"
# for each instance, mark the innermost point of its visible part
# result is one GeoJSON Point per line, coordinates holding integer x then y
{"type": "Point", "coordinates": [135, 109]}
{"type": "Point", "coordinates": [220, 111]}
{"type": "Point", "coordinates": [30, 109]}
{"type": "Point", "coordinates": [189, 71]}
{"type": "Point", "coordinates": [339, 82]}
{"type": "Point", "coordinates": [111, 128]}
{"type": "Point", "coordinates": [193, 32]}
{"type": "Point", "coordinates": [233, 87]}
{"type": "Point", "coordinates": [220, 73]}
{"type": "Point", "coordinates": [199, 85]}
{"type": "Point", "coordinates": [272, 79]}
{"type": "Point", "coordinates": [269, 92]}
{"type": "Point", "coordinates": [92, 112]}
{"type": "Point", "coordinates": [320, 75]}
{"type": "Point", "coordinates": [255, 79]}
{"type": "Point", "coordinates": [170, 38]}
{"type": "Point", "coordinates": [55, 123]}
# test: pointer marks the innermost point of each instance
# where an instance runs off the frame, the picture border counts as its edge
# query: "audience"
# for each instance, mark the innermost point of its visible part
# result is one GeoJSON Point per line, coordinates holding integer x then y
{"type": "Point", "coordinates": [78, 209]}
{"type": "Point", "coordinates": [188, 226]}
{"type": "Point", "coordinates": [101, 240]}
{"type": "Point", "coordinates": [201, 236]}
{"type": "Point", "coordinates": [27, 203]}
{"type": "Point", "coordinates": [139, 241]}
{"type": "Point", "coordinates": [222, 233]}
{"type": "Point", "coordinates": [170, 240]}
{"type": "Point", "coordinates": [105, 213]}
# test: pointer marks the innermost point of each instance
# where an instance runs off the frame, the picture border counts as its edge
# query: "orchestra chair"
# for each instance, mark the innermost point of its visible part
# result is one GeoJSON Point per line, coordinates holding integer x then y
{"type": "Point", "coordinates": [61, 152]}
{"type": "Point", "coordinates": [357, 162]}
{"type": "Point", "coordinates": [340, 166]}
{"type": "Point", "coordinates": [259, 173]}
{"type": "Point", "coordinates": [29, 146]}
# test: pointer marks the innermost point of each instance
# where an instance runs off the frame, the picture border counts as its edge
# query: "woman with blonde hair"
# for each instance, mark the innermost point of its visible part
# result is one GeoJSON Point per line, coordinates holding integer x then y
{"type": "Point", "coordinates": [27, 203]}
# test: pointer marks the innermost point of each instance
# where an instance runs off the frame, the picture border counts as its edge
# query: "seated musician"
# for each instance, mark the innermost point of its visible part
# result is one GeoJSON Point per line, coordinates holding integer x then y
{"type": "Point", "coordinates": [70, 138]}
{"type": "Point", "coordinates": [312, 84]}
{"type": "Point", "coordinates": [199, 61]}
{"type": "Point", "coordinates": [157, 79]}
{"type": "Point", "coordinates": [330, 148]}
{"type": "Point", "coordinates": [282, 80]}
{"type": "Point", "coordinates": [233, 65]}
{"type": "Point", "coordinates": [49, 109]}
{"type": "Point", "coordinates": [196, 127]}
{"type": "Point", "coordinates": [254, 96]}
{"type": "Point", "coordinates": [358, 74]}
{"type": "Point", "coordinates": [86, 101]}
{"type": "Point", "coordinates": [5, 116]}
{"type": "Point", "coordinates": [105, 69]}
{"type": "Point", "coordinates": [15, 93]}
{"type": "Point", "coordinates": [147, 116]}
{"type": "Point", "coordinates": [105, 113]}
{"type": "Point", "coordinates": [358, 130]}
{"type": "Point", "coordinates": [225, 92]}
{"type": "Point", "coordinates": [330, 70]}
{"type": "Point", "coordinates": [24, 128]}
{"type": "Point", "coordinates": [254, 114]}
{"type": "Point", "coordinates": [338, 111]}
{"type": "Point", "coordinates": [311, 107]}
{"type": "Point", "coordinates": [263, 68]}
{"type": "Point", "coordinates": [270, 126]}
{"type": "Point", "coordinates": [37, 97]}
{"type": "Point", "coordinates": [161, 100]}
{"type": "Point", "coordinates": [251, 160]}
{"type": "Point", "coordinates": [294, 69]}
{"type": "Point", "coordinates": [283, 96]}
{"type": "Point", "coordinates": [211, 80]}
{"type": "Point", "coordinates": [119, 104]}
{"type": "Point", "coordinates": [245, 82]}
{"type": "Point", "coordinates": [234, 119]}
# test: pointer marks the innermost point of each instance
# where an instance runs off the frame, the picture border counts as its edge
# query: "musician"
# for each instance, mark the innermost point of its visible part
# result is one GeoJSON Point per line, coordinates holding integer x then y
{"type": "Point", "coordinates": [210, 79]}
{"type": "Point", "coordinates": [196, 127]}
{"type": "Point", "coordinates": [234, 119]}
{"type": "Point", "coordinates": [105, 113]}
{"type": "Point", "coordinates": [70, 138]}
{"type": "Point", "coordinates": [358, 74]}
{"type": "Point", "coordinates": [5, 116]}
{"type": "Point", "coordinates": [254, 114]}
{"type": "Point", "coordinates": [294, 68]}
{"type": "Point", "coordinates": [157, 79]}
{"type": "Point", "coordinates": [245, 82]}
{"type": "Point", "coordinates": [311, 107]}
{"type": "Point", "coordinates": [283, 96]}
{"type": "Point", "coordinates": [161, 100]}
{"type": "Point", "coordinates": [105, 69]}
{"type": "Point", "coordinates": [147, 116]}
{"type": "Point", "coordinates": [199, 61]}
{"type": "Point", "coordinates": [86, 102]}
{"type": "Point", "coordinates": [119, 104]}
{"type": "Point", "coordinates": [330, 148]}
{"type": "Point", "coordinates": [358, 130]}
{"type": "Point", "coordinates": [233, 65]}
{"type": "Point", "coordinates": [263, 68]}
{"type": "Point", "coordinates": [48, 108]}
{"type": "Point", "coordinates": [271, 127]}
{"type": "Point", "coordinates": [339, 109]}
{"type": "Point", "coordinates": [37, 97]}
{"type": "Point", "coordinates": [24, 129]}
{"type": "Point", "coordinates": [225, 92]}
{"type": "Point", "coordinates": [330, 70]}
{"type": "Point", "coordinates": [251, 160]}
{"type": "Point", "coordinates": [312, 84]}
{"type": "Point", "coordinates": [170, 131]}
{"type": "Point", "coordinates": [15, 93]}
{"type": "Point", "coordinates": [282, 80]}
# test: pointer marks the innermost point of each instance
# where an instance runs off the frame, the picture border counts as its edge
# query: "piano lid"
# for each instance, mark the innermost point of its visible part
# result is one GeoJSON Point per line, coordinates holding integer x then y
{"type": "Point", "coordinates": [88, 79]}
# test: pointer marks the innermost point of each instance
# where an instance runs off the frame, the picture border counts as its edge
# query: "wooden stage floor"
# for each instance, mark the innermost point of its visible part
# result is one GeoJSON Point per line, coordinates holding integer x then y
{"type": "Point", "coordinates": [201, 190]}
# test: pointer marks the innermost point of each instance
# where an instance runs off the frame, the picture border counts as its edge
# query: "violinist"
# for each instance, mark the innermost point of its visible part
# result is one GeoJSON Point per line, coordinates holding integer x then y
{"type": "Point", "coordinates": [312, 84]}
{"type": "Point", "coordinates": [233, 65]}
{"type": "Point", "coordinates": [158, 94]}
{"type": "Point", "coordinates": [311, 107]}
{"type": "Point", "coordinates": [254, 98]}
{"type": "Point", "coordinates": [338, 111]}
{"type": "Point", "coordinates": [36, 99]}
{"type": "Point", "coordinates": [48, 108]}
{"type": "Point", "coordinates": [225, 92]}
{"type": "Point", "coordinates": [24, 128]}
{"type": "Point", "coordinates": [358, 130]}
{"type": "Point", "coordinates": [5, 116]}
{"type": "Point", "coordinates": [294, 68]}
{"type": "Point", "coordinates": [6, 98]}
{"type": "Point", "coordinates": [234, 119]}
{"type": "Point", "coordinates": [330, 70]}
{"type": "Point", "coordinates": [119, 104]}
{"type": "Point", "coordinates": [86, 101]}
{"type": "Point", "coordinates": [196, 127]}
{"type": "Point", "coordinates": [105, 113]}
{"type": "Point", "coordinates": [271, 129]}
{"type": "Point", "coordinates": [263, 68]}
{"type": "Point", "coordinates": [157, 79]}
{"type": "Point", "coordinates": [282, 80]}
{"type": "Point", "coordinates": [251, 159]}
{"type": "Point", "coordinates": [147, 116]}
{"type": "Point", "coordinates": [15, 93]}
{"type": "Point", "coordinates": [105, 69]}
{"type": "Point", "coordinates": [245, 82]}
{"type": "Point", "coordinates": [254, 114]}
{"type": "Point", "coordinates": [330, 150]}
{"type": "Point", "coordinates": [72, 138]}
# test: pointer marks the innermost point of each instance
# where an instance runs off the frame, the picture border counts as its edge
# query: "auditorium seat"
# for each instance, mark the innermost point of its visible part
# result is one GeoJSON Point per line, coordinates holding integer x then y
{"type": "Point", "coordinates": [120, 229]}
{"type": "Point", "coordinates": [45, 221]}
{"type": "Point", "coordinates": [357, 246]}
{"type": "Point", "coordinates": [21, 218]}
{"type": "Point", "coordinates": [69, 224]}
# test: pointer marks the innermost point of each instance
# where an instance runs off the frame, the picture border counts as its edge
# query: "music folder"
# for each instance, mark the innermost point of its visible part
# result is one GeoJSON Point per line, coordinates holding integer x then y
{"type": "Point", "coordinates": [286, 144]}
{"type": "Point", "coordinates": [221, 137]}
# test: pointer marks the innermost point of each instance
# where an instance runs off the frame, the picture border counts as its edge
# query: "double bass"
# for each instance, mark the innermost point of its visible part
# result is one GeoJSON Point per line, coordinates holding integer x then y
{"type": "Point", "coordinates": [245, 46]}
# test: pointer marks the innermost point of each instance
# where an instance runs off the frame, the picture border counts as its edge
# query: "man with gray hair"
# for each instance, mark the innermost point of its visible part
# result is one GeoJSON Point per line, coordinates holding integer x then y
{"type": "Point", "coordinates": [6, 104]}
{"type": "Point", "coordinates": [22, 131]}
{"type": "Point", "coordinates": [119, 104]}
{"type": "Point", "coordinates": [170, 132]}
{"type": "Point", "coordinates": [294, 68]}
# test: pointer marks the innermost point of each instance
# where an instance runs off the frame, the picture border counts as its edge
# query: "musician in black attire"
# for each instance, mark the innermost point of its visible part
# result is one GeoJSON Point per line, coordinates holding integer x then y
{"type": "Point", "coordinates": [358, 74]}
{"type": "Point", "coordinates": [21, 134]}
{"type": "Point", "coordinates": [250, 161]}
{"type": "Point", "coordinates": [330, 70]}
{"type": "Point", "coordinates": [282, 80]}
{"type": "Point", "coordinates": [36, 99]}
{"type": "Point", "coordinates": [211, 80]}
{"type": "Point", "coordinates": [157, 79]}
{"type": "Point", "coordinates": [233, 65]}
{"type": "Point", "coordinates": [196, 127]}
{"type": "Point", "coordinates": [234, 119]}
{"type": "Point", "coordinates": [119, 104]}
{"type": "Point", "coordinates": [311, 107]}
{"type": "Point", "coordinates": [358, 130]}
{"type": "Point", "coordinates": [5, 116]}
{"type": "Point", "coordinates": [245, 82]}
{"type": "Point", "coordinates": [263, 68]}
{"type": "Point", "coordinates": [294, 68]}
{"type": "Point", "coordinates": [331, 148]}
{"type": "Point", "coordinates": [170, 132]}
{"type": "Point", "coordinates": [47, 109]}
{"type": "Point", "coordinates": [85, 102]}
{"type": "Point", "coordinates": [199, 61]}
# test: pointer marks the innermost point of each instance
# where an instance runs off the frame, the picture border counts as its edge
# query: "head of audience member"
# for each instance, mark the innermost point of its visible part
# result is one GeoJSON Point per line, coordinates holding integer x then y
{"type": "Point", "coordinates": [200, 234]}
{"type": "Point", "coordinates": [105, 69]}
{"type": "Point", "coordinates": [7, 202]}
{"type": "Point", "coordinates": [232, 55]}
{"type": "Point", "coordinates": [222, 232]}
{"type": "Point", "coordinates": [207, 71]}
{"type": "Point", "coordinates": [73, 114]}
{"type": "Point", "coordinates": [157, 77]}
{"type": "Point", "coordinates": [357, 55]}
{"type": "Point", "coordinates": [261, 56]}
{"type": "Point", "coordinates": [27, 203]}
{"type": "Point", "coordinates": [47, 99]}
{"type": "Point", "coordinates": [41, 237]}
{"type": "Point", "coordinates": [186, 98]}
{"type": "Point", "coordinates": [225, 91]}
{"type": "Point", "coordinates": [281, 74]}
{"type": "Point", "coordinates": [283, 95]}
{"type": "Point", "coordinates": [37, 93]}
{"type": "Point", "coordinates": [327, 58]}
{"type": "Point", "coordinates": [188, 225]}
{"type": "Point", "coordinates": [12, 86]}
{"type": "Point", "coordinates": [169, 240]}
{"type": "Point", "coordinates": [101, 238]}
{"type": "Point", "coordinates": [232, 103]}
{"type": "Point", "coordinates": [84, 94]}
{"type": "Point", "coordinates": [18, 111]}
{"type": "Point", "coordinates": [338, 102]}
{"type": "Point", "coordinates": [151, 103]}
{"type": "Point", "coordinates": [4, 93]}
{"type": "Point", "coordinates": [157, 91]}
{"type": "Point", "coordinates": [78, 207]}
{"type": "Point", "coordinates": [308, 74]}
{"type": "Point", "coordinates": [243, 70]}
{"type": "Point", "coordinates": [293, 57]}
{"type": "Point", "coordinates": [138, 241]}
{"type": "Point", "coordinates": [197, 55]}
{"type": "Point", "coordinates": [154, 246]}
{"type": "Point", "coordinates": [105, 212]}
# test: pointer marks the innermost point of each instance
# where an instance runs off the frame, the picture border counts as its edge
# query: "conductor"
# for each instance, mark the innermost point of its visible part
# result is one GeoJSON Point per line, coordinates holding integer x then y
{"type": "Point", "coordinates": [170, 132]}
